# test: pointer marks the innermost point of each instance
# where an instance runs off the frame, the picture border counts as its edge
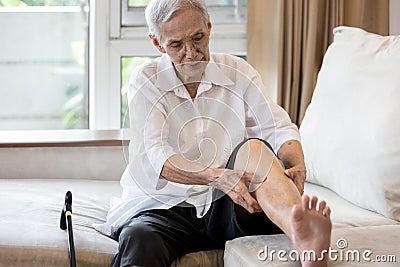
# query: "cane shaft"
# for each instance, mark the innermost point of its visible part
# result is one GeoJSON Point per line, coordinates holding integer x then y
{"type": "Point", "coordinates": [71, 245]}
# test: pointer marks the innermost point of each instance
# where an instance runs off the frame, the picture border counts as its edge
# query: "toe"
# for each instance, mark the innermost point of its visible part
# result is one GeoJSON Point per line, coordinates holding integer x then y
{"type": "Point", "coordinates": [327, 211]}
{"type": "Point", "coordinates": [321, 206]}
{"type": "Point", "coordinates": [305, 200]}
{"type": "Point", "coordinates": [314, 201]}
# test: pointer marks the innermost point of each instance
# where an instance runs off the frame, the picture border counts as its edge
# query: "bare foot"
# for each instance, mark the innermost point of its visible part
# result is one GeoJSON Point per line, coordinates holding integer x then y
{"type": "Point", "coordinates": [311, 231]}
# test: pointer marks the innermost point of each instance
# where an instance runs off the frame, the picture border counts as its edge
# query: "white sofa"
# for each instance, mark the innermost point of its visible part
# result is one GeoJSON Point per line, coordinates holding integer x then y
{"type": "Point", "coordinates": [351, 141]}
{"type": "Point", "coordinates": [34, 181]}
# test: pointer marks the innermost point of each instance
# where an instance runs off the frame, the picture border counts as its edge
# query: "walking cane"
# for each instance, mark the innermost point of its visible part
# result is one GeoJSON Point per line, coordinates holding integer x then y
{"type": "Point", "coordinates": [66, 222]}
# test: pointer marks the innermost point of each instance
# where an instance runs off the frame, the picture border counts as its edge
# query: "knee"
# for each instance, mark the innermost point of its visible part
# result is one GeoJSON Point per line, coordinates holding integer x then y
{"type": "Point", "coordinates": [142, 239]}
{"type": "Point", "coordinates": [256, 149]}
{"type": "Point", "coordinates": [259, 145]}
{"type": "Point", "coordinates": [254, 156]}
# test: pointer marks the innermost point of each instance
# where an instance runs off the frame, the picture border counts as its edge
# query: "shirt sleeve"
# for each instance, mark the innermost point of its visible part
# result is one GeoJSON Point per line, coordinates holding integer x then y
{"type": "Point", "coordinates": [264, 118]}
{"type": "Point", "coordinates": [148, 148]}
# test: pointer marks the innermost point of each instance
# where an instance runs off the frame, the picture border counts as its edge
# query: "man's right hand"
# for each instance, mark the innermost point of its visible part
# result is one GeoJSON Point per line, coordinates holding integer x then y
{"type": "Point", "coordinates": [233, 183]}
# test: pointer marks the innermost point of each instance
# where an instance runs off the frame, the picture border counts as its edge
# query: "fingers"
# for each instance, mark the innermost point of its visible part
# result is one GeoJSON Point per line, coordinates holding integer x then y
{"type": "Point", "coordinates": [246, 202]}
{"type": "Point", "coordinates": [300, 186]}
{"type": "Point", "coordinates": [252, 203]}
{"type": "Point", "coordinates": [299, 180]}
{"type": "Point", "coordinates": [233, 183]}
{"type": "Point", "coordinates": [289, 173]}
{"type": "Point", "coordinates": [241, 196]}
{"type": "Point", "coordinates": [247, 176]}
{"type": "Point", "coordinates": [227, 181]}
{"type": "Point", "coordinates": [237, 199]}
{"type": "Point", "coordinates": [253, 181]}
{"type": "Point", "coordinates": [230, 178]}
{"type": "Point", "coordinates": [298, 177]}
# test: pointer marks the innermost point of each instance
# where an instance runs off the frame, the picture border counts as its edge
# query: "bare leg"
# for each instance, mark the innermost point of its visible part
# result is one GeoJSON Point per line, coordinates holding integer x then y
{"type": "Point", "coordinates": [277, 194]}
{"type": "Point", "coordinates": [307, 227]}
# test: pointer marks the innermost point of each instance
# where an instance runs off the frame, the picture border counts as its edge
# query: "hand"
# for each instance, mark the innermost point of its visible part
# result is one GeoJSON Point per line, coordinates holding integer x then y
{"type": "Point", "coordinates": [233, 183]}
{"type": "Point", "coordinates": [298, 175]}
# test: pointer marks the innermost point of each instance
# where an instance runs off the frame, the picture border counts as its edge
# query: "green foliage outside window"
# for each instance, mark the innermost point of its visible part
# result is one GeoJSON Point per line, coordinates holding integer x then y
{"type": "Point", "coordinates": [137, 3]}
{"type": "Point", "coordinates": [127, 65]}
{"type": "Point", "coordinates": [74, 110]}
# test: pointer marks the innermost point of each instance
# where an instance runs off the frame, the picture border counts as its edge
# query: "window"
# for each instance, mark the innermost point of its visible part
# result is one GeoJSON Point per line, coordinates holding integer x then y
{"type": "Point", "coordinates": [43, 64]}
{"type": "Point", "coordinates": [222, 11]}
{"type": "Point", "coordinates": [53, 77]}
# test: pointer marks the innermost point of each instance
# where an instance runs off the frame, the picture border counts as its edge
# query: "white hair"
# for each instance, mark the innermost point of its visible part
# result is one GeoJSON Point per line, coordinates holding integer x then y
{"type": "Point", "coordinates": [159, 12]}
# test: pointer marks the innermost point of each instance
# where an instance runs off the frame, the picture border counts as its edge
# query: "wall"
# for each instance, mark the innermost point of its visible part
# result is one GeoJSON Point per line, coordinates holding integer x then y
{"type": "Point", "coordinates": [394, 27]}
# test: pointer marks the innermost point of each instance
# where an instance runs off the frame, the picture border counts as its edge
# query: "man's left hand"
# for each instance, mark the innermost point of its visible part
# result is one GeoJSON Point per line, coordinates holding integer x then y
{"type": "Point", "coordinates": [298, 175]}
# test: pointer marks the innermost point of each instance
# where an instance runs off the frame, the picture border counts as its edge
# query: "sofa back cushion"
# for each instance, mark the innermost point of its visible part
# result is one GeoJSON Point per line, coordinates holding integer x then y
{"type": "Point", "coordinates": [63, 162]}
{"type": "Point", "coordinates": [351, 130]}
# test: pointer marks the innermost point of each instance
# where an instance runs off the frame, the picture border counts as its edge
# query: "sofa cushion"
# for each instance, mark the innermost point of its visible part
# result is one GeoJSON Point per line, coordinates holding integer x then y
{"type": "Point", "coordinates": [29, 224]}
{"type": "Point", "coordinates": [345, 215]}
{"type": "Point", "coordinates": [208, 258]}
{"type": "Point", "coordinates": [375, 245]}
{"type": "Point", "coordinates": [350, 132]}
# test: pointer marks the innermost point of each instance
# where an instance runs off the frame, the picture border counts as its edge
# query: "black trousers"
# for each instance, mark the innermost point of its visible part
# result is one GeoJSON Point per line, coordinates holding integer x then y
{"type": "Point", "coordinates": [155, 238]}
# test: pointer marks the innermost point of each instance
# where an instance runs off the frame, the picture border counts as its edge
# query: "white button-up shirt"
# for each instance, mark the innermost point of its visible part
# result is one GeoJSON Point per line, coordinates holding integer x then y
{"type": "Point", "coordinates": [165, 120]}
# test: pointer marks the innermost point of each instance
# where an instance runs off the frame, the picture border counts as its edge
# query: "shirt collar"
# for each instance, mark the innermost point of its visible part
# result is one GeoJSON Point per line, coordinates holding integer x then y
{"type": "Point", "coordinates": [168, 80]}
{"type": "Point", "coordinates": [214, 74]}
{"type": "Point", "coordinates": [166, 77]}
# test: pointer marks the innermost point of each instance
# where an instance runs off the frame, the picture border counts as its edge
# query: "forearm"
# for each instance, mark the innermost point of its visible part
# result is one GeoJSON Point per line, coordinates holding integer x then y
{"type": "Point", "coordinates": [181, 170]}
{"type": "Point", "coordinates": [291, 154]}
{"type": "Point", "coordinates": [232, 182]}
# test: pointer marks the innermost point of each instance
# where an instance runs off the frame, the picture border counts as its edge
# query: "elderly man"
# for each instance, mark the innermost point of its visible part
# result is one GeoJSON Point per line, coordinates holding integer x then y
{"type": "Point", "coordinates": [210, 158]}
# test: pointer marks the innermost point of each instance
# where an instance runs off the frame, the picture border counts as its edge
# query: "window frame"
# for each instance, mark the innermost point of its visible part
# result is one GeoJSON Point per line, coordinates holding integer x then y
{"type": "Point", "coordinates": [133, 16]}
{"type": "Point", "coordinates": [110, 41]}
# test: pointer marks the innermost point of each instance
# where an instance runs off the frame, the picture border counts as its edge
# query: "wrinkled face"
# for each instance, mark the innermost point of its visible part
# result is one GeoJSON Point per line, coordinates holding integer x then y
{"type": "Point", "coordinates": [185, 38]}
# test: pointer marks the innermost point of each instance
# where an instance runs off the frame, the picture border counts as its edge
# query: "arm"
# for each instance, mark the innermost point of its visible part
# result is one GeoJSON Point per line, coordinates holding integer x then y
{"type": "Point", "coordinates": [178, 169]}
{"type": "Point", "coordinates": [232, 182]}
{"type": "Point", "coordinates": [291, 154]}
